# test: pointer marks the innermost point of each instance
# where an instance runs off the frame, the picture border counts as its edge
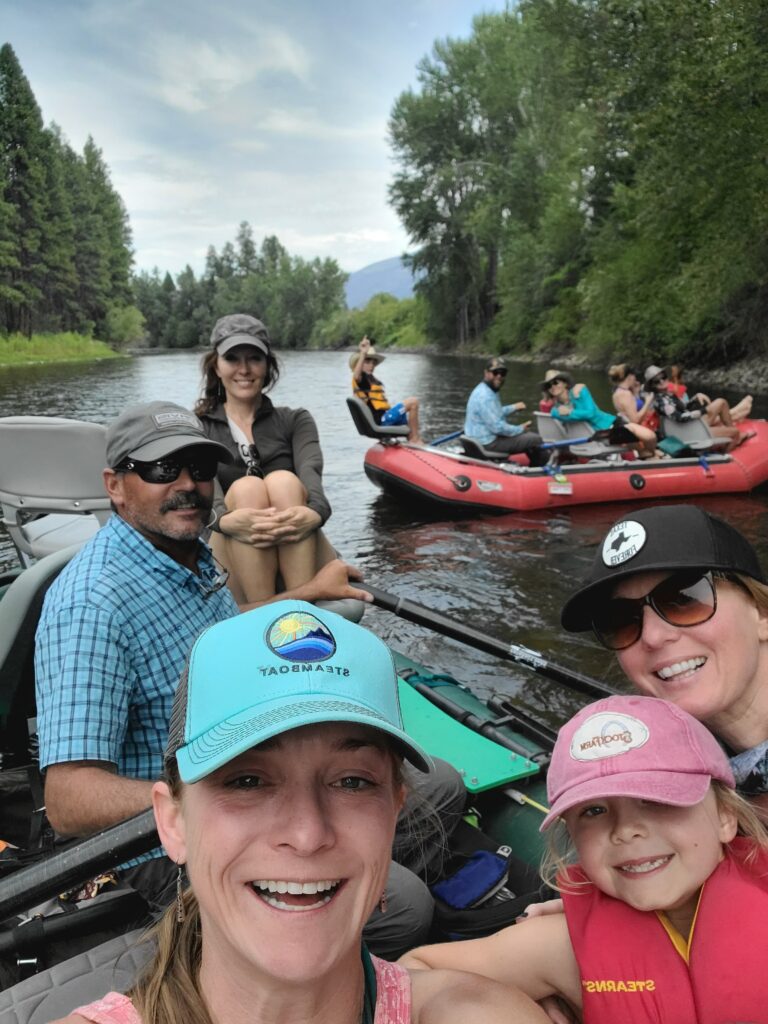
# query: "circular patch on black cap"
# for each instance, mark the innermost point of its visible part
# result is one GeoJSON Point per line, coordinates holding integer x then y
{"type": "Point", "coordinates": [625, 540]}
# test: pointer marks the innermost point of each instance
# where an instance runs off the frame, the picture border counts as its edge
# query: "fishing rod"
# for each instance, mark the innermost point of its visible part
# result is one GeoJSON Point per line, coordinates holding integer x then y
{"type": "Point", "coordinates": [516, 653]}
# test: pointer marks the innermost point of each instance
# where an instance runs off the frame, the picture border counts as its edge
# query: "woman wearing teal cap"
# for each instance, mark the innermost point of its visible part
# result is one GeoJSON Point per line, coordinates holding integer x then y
{"type": "Point", "coordinates": [284, 780]}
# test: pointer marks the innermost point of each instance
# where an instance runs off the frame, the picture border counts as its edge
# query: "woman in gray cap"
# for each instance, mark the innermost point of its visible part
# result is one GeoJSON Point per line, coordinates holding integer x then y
{"type": "Point", "coordinates": [681, 598]}
{"type": "Point", "coordinates": [273, 503]}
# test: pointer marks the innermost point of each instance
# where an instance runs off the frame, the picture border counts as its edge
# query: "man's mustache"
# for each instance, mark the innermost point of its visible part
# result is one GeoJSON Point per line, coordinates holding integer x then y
{"type": "Point", "coordinates": [187, 499]}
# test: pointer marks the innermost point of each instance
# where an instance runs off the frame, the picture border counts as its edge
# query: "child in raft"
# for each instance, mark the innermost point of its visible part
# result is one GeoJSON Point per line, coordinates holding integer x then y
{"type": "Point", "coordinates": [663, 871]}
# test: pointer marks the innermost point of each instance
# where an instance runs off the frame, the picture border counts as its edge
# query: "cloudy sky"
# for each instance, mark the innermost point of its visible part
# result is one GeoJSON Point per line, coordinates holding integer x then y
{"type": "Point", "coordinates": [212, 113]}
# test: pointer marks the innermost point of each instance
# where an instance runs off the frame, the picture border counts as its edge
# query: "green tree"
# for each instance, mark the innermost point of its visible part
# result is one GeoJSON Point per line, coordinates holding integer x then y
{"type": "Point", "coordinates": [23, 175]}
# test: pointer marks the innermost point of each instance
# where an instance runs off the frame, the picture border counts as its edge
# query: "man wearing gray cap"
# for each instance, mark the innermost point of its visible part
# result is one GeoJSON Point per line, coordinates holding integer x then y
{"type": "Point", "coordinates": [115, 631]}
{"type": "Point", "coordinates": [119, 621]}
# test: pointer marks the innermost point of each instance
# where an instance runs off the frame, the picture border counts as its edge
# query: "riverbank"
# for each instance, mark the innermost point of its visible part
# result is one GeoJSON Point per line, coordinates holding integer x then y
{"type": "Point", "coordinates": [18, 350]}
{"type": "Point", "coordinates": [749, 376]}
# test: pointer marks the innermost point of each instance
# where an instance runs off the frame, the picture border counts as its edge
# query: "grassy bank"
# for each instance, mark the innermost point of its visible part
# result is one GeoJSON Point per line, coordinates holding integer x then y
{"type": "Point", "coordinates": [18, 350]}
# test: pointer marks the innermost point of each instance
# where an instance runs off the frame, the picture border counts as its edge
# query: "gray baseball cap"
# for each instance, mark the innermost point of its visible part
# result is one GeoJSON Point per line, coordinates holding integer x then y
{"type": "Point", "coordinates": [239, 329]}
{"type": "Point", "coordinates": [152, 431]}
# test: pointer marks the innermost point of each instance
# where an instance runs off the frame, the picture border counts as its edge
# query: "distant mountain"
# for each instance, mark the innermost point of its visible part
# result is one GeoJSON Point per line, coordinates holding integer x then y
{"type": "Point", "coordinates": [385, 276]}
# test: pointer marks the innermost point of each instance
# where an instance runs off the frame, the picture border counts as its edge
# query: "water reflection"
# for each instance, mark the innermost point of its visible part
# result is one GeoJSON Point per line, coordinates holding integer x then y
{"type": "Point", "coordinates": [505, 575]}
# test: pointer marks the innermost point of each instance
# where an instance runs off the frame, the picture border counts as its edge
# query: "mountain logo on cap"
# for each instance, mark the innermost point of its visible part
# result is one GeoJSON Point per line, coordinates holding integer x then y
{"type": "Point", "coordinates": [607, 734]}
{"type": "Point", "coordinates": [300, 636]}
{"type": "Point", "coordinates": [624, 541]}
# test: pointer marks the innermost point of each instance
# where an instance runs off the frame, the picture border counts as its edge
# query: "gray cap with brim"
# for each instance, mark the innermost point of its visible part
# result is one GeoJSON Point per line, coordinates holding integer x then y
{"type": "Point", "coordinates": [155, 430]}
{"type": "Point", "coordinates": [663, 538]}
{"type": "Point", "coordinates": [239, 329]}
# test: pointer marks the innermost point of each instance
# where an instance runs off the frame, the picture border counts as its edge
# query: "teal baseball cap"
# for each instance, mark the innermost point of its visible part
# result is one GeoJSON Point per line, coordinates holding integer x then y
{"type": "Point", "coordinates": [277, 668]}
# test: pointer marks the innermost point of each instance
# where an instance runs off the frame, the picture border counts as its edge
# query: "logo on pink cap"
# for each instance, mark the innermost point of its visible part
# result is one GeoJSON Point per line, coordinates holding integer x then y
{"type": "Point", "coordinates": [640, 747]}
{"type": "Point", "coordinates": [607, 735]}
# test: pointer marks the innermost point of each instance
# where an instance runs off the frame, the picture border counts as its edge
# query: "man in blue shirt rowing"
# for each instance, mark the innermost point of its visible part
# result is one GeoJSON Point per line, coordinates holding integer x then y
{"type": "Point", "coordinates": [486, 418]}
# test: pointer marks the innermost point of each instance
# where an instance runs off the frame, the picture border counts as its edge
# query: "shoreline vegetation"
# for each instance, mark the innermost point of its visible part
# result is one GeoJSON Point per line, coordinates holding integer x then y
{"type": "Point", "coordinates": [40, 349]}
{"type": "Point", "coordinates": [68, 347]}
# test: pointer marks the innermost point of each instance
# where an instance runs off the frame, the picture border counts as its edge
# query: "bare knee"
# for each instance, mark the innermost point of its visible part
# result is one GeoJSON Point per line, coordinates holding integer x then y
{"type": "Point", "coordinates": [411, 404]}
{"type": "Point", "coordinates": [284, 489]}
{"type": "Point", "coordinates": [247, 492]}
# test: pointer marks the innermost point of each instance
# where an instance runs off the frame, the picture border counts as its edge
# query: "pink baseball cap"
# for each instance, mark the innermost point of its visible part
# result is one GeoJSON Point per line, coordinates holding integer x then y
{"type": "Point", "coordinates": [640, 747]}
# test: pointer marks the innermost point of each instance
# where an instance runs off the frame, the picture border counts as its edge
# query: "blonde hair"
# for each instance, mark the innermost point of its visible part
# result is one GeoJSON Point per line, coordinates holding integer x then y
{"type": "Point", "coordinates": [618, 372]}
{"type": "Point", "coordinates": [560, 853]}
{"type": "Point", "coordinates": [756, 590]}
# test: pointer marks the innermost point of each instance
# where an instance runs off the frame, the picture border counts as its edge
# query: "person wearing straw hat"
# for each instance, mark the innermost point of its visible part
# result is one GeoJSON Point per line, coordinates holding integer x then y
{"type": "Point", "coordinates": [485, 420]}
{"type": "Point", "coordinates": [281, 794]}
{"type": "Point", "coordinates": [370, 390]}
{"type": "Point", "coordinates": [575, 402]}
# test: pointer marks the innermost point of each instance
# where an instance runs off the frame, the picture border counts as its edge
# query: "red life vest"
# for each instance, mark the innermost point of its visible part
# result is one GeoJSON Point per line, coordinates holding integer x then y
{"type": "Point", "coordinates": [632, 973]}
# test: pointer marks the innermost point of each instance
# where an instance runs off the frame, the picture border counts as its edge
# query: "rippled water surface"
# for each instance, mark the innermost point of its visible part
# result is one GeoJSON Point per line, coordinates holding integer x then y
{"type": "Point", "coordinates": [505, 575]}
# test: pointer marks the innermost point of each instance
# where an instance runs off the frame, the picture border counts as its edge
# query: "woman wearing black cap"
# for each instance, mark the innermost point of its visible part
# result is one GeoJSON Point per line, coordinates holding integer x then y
{"type": "Point", "coordinates": [681, 598]}
{"type": "Point", "coordinates": [273, 502]}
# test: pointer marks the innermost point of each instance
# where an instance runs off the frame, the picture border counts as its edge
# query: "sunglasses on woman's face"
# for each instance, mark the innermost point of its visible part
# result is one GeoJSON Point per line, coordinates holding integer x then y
{"type": "Point", "coordinates": [165, 471]}
{"type": "Point", "coordinates": [683, 599]}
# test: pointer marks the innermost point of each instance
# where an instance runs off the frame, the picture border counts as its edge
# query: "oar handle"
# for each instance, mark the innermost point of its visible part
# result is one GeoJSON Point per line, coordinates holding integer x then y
{"type": "Point", "coordinates": [516, 653]}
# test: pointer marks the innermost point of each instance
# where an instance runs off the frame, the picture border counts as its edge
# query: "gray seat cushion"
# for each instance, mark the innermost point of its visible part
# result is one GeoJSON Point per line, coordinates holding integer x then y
{"type": "Point", "coordinates": [54, 993]}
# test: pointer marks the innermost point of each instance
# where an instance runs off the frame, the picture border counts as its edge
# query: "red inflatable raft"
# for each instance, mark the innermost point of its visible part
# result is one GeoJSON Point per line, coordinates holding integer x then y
{"type": "Point", "coordinates": [456, 480]}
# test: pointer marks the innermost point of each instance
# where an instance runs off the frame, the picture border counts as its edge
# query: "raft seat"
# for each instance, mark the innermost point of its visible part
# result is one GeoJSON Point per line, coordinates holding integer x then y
{"type": "Point", "coordinates": [367, 425]}
{"type": "Point", "coordinates": [552, 429]}
{"type": "Point", "coordinates": [475, 450]}
{"type": "Point", "coordinates": [694, 434]}
{"type": "Point", "coordinates": [51, 488]}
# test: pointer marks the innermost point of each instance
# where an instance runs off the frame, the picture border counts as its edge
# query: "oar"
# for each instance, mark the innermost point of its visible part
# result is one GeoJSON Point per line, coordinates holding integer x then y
{"type": "Point", "coordinates": [446, 437]}
{"type": "Point", "coordinates": [31, 885]}
{"type": "Point", "coordinates": [516, 653]}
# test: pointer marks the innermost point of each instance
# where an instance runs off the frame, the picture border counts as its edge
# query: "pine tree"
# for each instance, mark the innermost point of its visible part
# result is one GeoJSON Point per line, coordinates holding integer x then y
{"type": "Point", "coordinates": [22, 157]}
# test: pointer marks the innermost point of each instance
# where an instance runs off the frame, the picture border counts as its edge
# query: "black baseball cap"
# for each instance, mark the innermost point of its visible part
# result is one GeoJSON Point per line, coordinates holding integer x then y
{"type": "Point", "coordinates": [660, 538]}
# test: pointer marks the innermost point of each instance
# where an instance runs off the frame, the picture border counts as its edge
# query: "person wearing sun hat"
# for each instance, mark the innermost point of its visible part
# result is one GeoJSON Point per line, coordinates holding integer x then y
{"type": "Point", "coordinates": [574, 402]}
{"type": "Point", "coordinates": [485, 420]}
{"type": "Point", "coordinates": [284, 780]}
{"type": "Point", "coordinates": [716, 414]}
{"type": "Point", "coordinates": [369, 389]}
{"type": "Point", "coordinates": [680, 596]}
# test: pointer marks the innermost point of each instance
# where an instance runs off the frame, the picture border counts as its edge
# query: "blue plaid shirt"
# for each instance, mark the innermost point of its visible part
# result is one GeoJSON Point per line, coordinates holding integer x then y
{"type": "Point", "coordinates": [485, 419]}
{"type": "Point", "coordinates": [112, 641]}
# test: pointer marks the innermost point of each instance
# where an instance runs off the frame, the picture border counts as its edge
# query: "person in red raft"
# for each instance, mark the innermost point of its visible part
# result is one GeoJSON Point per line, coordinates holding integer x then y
{"type": "Point", "coordinates": [370, 389]}
{"type": "Point", "coordinates": [663, 870]}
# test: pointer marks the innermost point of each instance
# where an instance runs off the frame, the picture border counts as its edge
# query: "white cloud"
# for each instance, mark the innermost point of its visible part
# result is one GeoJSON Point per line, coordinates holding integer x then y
{"type": "Point", "coordinates": [195, 76]}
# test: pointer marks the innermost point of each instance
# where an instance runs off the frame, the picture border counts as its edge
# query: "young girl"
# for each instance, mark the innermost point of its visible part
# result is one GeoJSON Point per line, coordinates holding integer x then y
{"type": "Point", "coordinates": [665, 908]}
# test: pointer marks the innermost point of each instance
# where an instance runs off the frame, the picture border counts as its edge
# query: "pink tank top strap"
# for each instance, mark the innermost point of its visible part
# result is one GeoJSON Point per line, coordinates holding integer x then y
{"type": "Point", "coordinates": [393, 993]}
{"type": "Point", "coordinates": [114, 1008]}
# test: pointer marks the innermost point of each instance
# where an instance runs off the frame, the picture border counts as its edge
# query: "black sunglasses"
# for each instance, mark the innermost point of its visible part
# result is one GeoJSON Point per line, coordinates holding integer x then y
{"type": "Point", "coordinates": [498, 373]}
{"type": "Point", "coordinates": [165, 471]}
{"type": "Point", "coordinates": [684, 599]}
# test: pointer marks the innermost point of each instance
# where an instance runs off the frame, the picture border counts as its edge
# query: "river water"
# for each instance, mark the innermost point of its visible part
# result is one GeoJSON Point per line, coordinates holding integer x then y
{"type": "Point", "coordinates": [506, 576]}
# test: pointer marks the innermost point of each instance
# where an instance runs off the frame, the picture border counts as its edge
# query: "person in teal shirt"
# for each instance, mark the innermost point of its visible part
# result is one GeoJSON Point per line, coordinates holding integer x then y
{"type": "Point", "coordinates": [575, 402]}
